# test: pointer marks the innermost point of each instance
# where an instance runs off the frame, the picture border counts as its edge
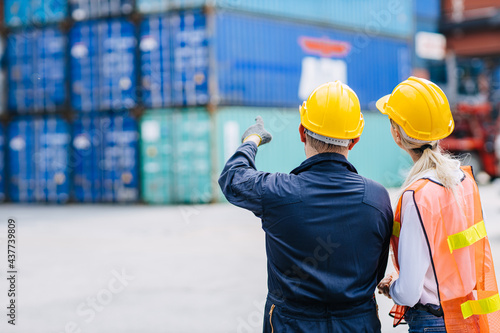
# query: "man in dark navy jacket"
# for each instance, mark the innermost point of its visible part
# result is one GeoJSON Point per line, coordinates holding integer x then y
{"type": "Point", "coordinates": [327, 228]}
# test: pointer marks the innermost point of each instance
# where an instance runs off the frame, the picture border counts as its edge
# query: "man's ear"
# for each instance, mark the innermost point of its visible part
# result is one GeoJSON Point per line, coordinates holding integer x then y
{"type": "Point", "coordinates": [353, 143]}
{"type": "Point", "coordinates": [302, 133]}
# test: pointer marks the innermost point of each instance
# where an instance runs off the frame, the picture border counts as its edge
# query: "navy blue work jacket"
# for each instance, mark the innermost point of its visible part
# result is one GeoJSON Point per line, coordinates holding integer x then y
{"type": "Point", "coordinates": [327, 228]}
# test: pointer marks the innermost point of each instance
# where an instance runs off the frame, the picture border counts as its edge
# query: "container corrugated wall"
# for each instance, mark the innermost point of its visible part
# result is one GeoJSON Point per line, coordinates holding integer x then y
{"type": "Point", "coordinates": [3, 76]}
{"type": "Point", "coordinates": [429, 25]}
{"type": "Point", "coordinates": [264, 62]}
{"type": "Point", "coordinates": [190, 58]}
{"type": "Point", "coordinates": [379, 16]}
{"type": "Point", "coordinates": [105, 167]}
{"type": "Point", "coordinates": [2, 164]}
{"type": "Point", "coordinates": [38, 154]}
{"type": "Point", "coordinates": [90, 9]}
{"type": "Point", "coordinates": [26, 12]}
{"type": "Point", "coordinates": [283, 154]}
{"type": "Point", "coordinates": [103, 75]}
{"type": "Point", "coordinates": [176, 156]}
{"type": "Point", "coordinates": [36, 70]}
{"type": "Point", "coordinates": [429, 9]}
{"type": "Point", "coordinates": [377, 156]}
{"type": "Point", "coordinates": [174, 60]}
{"type": "Point", "coordinates": [156, 62]}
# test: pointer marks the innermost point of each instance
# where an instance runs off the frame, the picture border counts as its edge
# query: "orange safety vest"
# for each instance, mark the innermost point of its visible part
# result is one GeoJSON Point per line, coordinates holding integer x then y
{"type": "Point", "coordinates": [460, 255]}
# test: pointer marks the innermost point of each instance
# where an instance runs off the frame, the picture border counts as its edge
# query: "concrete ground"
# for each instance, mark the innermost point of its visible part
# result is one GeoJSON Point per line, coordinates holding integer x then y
{"type": "Point", "coordinates": [120, 269]}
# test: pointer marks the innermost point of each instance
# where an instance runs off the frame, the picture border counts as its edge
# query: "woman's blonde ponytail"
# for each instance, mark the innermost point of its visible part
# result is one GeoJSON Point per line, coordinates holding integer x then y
{"type": "Point", "coordinates": [432, 158]}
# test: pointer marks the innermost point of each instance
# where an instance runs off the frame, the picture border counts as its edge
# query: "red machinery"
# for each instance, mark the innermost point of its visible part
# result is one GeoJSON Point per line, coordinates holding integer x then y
{"type": "Point", "coordinates": [475, 133]}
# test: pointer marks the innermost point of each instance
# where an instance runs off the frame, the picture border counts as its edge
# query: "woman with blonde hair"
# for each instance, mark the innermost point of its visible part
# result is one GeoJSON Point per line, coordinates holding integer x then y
{"type": "Point", "coordinates": [445, 279]}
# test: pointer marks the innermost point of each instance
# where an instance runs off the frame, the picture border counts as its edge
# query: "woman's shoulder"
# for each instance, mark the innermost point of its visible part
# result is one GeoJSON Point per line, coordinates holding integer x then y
{"type": "Point", "coordinates": [431, 175]}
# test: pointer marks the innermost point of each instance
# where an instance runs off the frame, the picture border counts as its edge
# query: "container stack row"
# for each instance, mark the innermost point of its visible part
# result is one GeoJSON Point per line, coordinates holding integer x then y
{"type": "Point", "coordinates": [122, 101]}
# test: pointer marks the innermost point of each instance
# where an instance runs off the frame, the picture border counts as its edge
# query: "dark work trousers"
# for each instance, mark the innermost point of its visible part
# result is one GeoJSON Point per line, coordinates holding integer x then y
{"type": "Point", "coordinates": [294, 318]}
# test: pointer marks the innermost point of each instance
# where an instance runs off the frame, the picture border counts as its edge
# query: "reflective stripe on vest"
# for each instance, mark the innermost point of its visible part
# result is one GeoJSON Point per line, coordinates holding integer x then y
{"type": "Point", "coordinates": [481, 307]}
{"type": "Point", "coordinates": [396, 228]}
{"type": "Point", "coordinates": [467, 237]}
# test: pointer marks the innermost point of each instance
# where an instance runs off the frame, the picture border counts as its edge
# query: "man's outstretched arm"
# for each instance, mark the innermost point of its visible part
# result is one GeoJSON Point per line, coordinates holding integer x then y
{"type": "Point", "coordinates": [240, 181]}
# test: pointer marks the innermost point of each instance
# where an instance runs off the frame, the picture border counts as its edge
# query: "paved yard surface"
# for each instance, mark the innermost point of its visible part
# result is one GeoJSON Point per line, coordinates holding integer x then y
{"type": "Point", "coordinates": [143, 269]}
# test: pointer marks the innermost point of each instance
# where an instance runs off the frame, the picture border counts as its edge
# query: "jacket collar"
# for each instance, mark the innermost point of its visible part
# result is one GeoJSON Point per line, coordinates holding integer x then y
{"type": "Point", "coordinates": [324, 157]}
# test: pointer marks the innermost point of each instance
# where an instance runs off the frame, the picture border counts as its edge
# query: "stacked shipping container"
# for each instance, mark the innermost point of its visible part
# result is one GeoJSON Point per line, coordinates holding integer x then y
{"type": "Point", "coordinates": [90, 9]}
{"type": "Point", "coordinates": [176, 156]}
{"type": "Point", "coordinates": [365, 16]}
{"type": "Point", "coordinates": [259, 61]}
{"type": "Point", "coordinates": [103, 79]}
{"type": "Point", "coordinates": [37, 146]}
{"type": "Point", "coordinates": [38, 160]}
{"type": "Point", "coordinates": [28, 12]}
{"type": "Point", "coordinates": [240, 58]}
{"type": "Point", "coordinates": [3, 96]}
{"type": "Point", "coordinates": [36, 70]}
{"type": "Point", "coordinates": [105, 158]}
{"type": "Point", "coordinates": [234, 59]}
{"type": "Point", "coordinates": [101, 162]}
{"type": "Point", "coordinates": [102, 65]}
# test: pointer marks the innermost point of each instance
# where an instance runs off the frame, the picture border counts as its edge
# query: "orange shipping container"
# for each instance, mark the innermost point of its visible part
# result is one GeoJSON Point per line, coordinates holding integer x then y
{"type": "Point", "coordinates": [475, 44]}
{"type": "Point", "coordinates": [448, 5]}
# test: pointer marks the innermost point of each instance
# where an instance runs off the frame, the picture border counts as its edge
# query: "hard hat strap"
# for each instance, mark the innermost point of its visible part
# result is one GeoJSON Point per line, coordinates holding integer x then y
{"type": "Point", "coordinates": [412, 140]}
{"type": "Point", "coordinates": [326, 139]}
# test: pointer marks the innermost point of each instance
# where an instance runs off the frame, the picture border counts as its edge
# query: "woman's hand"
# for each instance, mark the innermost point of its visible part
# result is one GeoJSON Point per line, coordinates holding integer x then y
{"type": "Point", "coordinates": [385, 285]}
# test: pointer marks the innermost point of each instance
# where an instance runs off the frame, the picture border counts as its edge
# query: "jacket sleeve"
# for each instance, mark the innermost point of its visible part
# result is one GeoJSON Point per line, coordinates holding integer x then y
{"type": "Point", "coordinates": [241, 183]}
{"type": "Point", "coordinates": [384, 255]}
{"type": "Point", "coordinates": [378, 197]}
{"type": "Point", "coordinates": [383, 260]}
{"type": "Point", "coordinates": [414, 260]}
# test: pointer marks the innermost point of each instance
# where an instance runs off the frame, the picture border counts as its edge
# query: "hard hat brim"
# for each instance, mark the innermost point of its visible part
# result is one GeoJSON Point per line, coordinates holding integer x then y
{"type": "Point", "coordinates": [381, 103]}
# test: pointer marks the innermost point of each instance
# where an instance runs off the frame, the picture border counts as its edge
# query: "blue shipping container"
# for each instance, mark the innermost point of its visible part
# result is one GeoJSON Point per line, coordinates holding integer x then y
{"type": "Point", "coordinates": [495, 79]}
{"type": "Point", "coordinates": [88, 9]}
{"type": "Point", "coordinates": [174, 60]}
{"type": "Point", "coordinates": [3, 99]}
{"type": "Point", "coordinates": [27, 12]}
{"type": "Point", "coordinates": [155, 62]}
{"type": "Point", "coordinates": [38, 160]}
{"type": "Point", "coordinates": [105, 167]}
{"type": "Point", "coordinates": [36, 70]}
{"type": "Point", "coordinates": [2, 164]}
{"type": "Point", "coordinates": [262, 62]}
{"type": "Point", "coordinates": [428, 9]}
{"type": "Point", "coordinates": [102, 64]}
{"type": "Point", "coordinates": [427, 25]}
{"type": "Point", "coordinates": [3, 95]}
{"type": "Point", "coordinates": [392, 17]}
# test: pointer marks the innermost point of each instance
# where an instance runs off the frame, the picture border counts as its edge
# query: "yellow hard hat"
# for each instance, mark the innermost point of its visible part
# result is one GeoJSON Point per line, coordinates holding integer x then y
{"type": "Point", "coordinates": [332, 111]}
{"type": "Point", "coordinates": [421, 108]}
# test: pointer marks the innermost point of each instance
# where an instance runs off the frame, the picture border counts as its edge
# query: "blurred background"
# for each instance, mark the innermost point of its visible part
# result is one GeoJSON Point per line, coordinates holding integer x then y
{"type": "Point", "coordinates": [142, 102]}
